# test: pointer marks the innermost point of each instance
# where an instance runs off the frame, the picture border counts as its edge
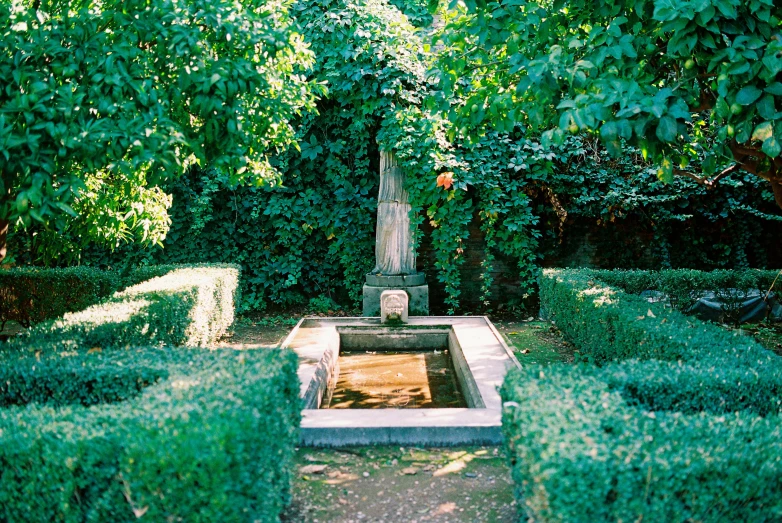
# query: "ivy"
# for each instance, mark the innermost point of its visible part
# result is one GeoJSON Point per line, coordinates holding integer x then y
{"type": "Point", "coordinates": [310, 230]}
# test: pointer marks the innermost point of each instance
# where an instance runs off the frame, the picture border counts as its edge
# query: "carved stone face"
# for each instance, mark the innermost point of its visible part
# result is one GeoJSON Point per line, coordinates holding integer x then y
{"type": "Point", "coordinates": [393, 305]}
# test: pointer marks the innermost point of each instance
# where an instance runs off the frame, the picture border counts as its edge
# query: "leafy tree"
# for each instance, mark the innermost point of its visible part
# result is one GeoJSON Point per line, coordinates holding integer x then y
{"type": "Point", "coordinates": [103, 100]}
{"type": "Point", "coordinates": [696, 85]}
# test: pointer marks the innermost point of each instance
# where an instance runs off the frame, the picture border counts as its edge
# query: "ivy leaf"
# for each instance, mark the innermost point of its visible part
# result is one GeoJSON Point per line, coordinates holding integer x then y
{"type": "Point", "coordinates": [763, 131]}
{"type": "Point", "coordinates": [445, 180]}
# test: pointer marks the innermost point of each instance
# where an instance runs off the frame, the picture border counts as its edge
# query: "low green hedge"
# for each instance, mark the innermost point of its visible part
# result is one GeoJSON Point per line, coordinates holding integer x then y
{"type": "Point", "coordinates": [202, 435]}
{"type": "Point", "coordinates": [666, 418]}
{"type": "Point", "coordinates": [606, 323]}
{"type": "Point", "coordinates": [188, 305]}
{"type": "Point", "coordinates": [31, 295]}
{"type": "Point", "coordinates": [57, 378]}
{"type": "Point", "coordinates": [580, 453]}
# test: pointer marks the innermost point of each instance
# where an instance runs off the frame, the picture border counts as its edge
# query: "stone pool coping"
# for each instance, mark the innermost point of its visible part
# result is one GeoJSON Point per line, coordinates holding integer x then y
{"type": "Point", "coordinates": [485, 354]}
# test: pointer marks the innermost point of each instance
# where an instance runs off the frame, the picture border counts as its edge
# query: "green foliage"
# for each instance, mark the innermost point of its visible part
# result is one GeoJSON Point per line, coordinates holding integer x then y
{"type": "Point", "coordinates": [105, 100]}
{"type": "Point", "coordinates": [29, 295]}
{"type": "Point", "coordinates": [584, 453]}
{"type": "Point", "coordinates": [188, 305]}
{"type": "Point", "coordinates": [323, 305]}
{"type": "Point", "coordinates": [313, 232]}
{"type": "Point", "coordinates": [680, 81]}
{"type": "Point", "coordinates": [676, 410]}
{"type": "Point", "coordinates": [197, 435]}
{"type": "Point", "coordinates": [416, 11]}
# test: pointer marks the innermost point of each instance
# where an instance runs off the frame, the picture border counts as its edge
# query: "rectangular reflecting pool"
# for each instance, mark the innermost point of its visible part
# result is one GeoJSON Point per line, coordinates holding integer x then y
{"type": "Point", "coordinates": [431, 381]}
{"type": "Point", "coordinates": [411, 379]}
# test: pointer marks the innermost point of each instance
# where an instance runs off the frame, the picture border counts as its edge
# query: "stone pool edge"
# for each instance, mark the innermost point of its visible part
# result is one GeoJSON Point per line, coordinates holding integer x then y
{"type": "Point", "coordinates": [489, 358]}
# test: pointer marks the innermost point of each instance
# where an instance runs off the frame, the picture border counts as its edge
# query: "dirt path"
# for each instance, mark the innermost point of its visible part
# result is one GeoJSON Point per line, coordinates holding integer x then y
{"type": "Point", "coordinates": [397, 484]}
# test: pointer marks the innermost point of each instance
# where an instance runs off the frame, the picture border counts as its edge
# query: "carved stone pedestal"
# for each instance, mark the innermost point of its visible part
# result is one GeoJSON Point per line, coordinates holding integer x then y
{"type": "Point", "coordinates": [413, 284]}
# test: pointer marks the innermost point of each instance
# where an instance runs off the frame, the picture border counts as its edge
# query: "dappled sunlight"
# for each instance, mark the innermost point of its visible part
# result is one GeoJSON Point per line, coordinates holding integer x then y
{"type": "Point", "coordinates": [338, 477]}
{"type": "Point", "coordinates": [184, 384]}
{"type": "Point", "coordinates": [445, 508]}
{"type": "Point", "coordinates": [111, 312]}
{"type": "Point", "coordinates": [602, 295]}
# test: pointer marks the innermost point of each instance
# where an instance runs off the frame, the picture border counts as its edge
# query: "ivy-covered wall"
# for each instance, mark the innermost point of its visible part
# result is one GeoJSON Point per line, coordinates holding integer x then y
{"type": "Point", "coordinates": [511, 205]}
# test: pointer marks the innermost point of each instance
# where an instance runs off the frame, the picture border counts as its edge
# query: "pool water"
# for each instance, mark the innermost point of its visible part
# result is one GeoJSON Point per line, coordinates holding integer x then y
{"type": "Point", "coordinates": [410, 379]}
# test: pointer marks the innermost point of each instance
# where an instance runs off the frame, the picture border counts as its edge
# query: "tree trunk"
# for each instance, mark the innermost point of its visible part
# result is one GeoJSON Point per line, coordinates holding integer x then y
{"type": "Point", "coordinates": [3, 237]}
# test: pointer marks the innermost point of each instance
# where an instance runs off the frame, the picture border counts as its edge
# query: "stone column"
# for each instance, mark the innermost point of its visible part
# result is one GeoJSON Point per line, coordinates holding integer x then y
{"type": "Point", "coordinates": [394, 252]}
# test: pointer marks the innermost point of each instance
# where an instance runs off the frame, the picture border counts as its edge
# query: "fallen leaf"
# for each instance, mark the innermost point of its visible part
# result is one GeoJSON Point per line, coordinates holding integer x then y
{"type": "Point", "coordinates": [410, 471]}
{"type": "Point", "coordinates": [138, 512]}
{"type": "Point", "coordinates": [525, 351]}
{"type": "Point", "coordinates": [650, 314]}
{"type": "Point", "coordinates": [98, 349]}
{"type": "Point", "coordinates": [342, 501]}
{"type": "Point", "coordinates": [312, 469]}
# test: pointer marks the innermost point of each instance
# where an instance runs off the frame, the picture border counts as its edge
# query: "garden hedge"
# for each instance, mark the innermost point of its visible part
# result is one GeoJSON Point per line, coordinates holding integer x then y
{"type": "Point", "coordinates": [666, 418]}
{"type": "Point", "coordinates": [172, 434]}
{"type": "Point", "coordinates": [30, 295]}
{"type": "Point", "coordinates": [97, 425]}
{"type": "Point", "coordinates": [188, 305]}
{"type": "Point", "coordinates": [33, 294]}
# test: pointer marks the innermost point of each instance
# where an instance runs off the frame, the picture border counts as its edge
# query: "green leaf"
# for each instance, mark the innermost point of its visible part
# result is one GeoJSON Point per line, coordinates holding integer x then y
{"type": "Point", "coordinates": [667, 129]}
{"type": "Point", "coordinates": [763, 131]}
{"type": "Point", "coordinates": [772, 147]}
{"type": "Point", "coordinates": [665, 171]}
{"type": "Point", "coordinates": [748, 95]}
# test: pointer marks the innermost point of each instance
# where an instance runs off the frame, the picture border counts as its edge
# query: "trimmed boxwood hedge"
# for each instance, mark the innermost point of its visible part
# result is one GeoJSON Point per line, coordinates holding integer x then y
{"type": "Point", "coordinates": [666, 418]}
{"type": "Point", "coordinates": [203, 435]}
{"type": "Point", "coordinates": [95, 428]}
{"type": "Point", "coordinates": [30, 295]}
{"type": "Point", "coordinates": [188, 305]}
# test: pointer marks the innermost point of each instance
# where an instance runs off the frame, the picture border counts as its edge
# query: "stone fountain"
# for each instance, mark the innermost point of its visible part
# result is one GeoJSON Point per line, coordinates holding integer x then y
{"type": "Point", "coordinates": [397, 375]}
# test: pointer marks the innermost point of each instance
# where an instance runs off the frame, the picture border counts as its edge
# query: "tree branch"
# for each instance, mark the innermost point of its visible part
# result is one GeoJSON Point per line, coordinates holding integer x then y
{"type": "Point", "coordinates": [710, 183]}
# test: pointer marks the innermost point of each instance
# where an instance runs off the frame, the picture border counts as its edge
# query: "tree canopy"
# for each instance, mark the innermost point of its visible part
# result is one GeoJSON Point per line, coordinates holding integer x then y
{"type": "Point", "coordinates": [103, 100]}
{"type": "Point", "coordinates": [696, 85]}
